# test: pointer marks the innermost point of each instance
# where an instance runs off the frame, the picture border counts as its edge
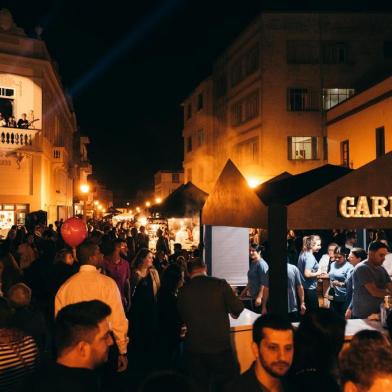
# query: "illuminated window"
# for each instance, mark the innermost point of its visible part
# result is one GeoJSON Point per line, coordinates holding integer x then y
{"type": "Point", "coordinates": [333, 96]}
{"type": "Point", "coordinates": [303, 148]}
{"type": "Point", "coordinates": [302, 100]}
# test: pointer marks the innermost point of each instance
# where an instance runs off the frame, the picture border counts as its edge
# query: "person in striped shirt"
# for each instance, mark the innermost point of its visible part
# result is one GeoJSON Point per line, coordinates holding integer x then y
{"type": "Point", "coordinates": [19, 355]}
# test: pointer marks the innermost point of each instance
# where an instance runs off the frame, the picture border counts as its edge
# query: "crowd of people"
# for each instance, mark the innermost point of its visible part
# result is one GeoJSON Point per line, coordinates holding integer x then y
{"type": "Point", "coordinates": [23, 122]}
{"type": "Point", "coordinates": [113, 315]}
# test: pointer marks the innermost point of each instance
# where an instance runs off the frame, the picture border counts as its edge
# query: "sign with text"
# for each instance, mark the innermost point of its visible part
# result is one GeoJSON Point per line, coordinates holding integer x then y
{"type": "Point", "coordinates": [365, 207]}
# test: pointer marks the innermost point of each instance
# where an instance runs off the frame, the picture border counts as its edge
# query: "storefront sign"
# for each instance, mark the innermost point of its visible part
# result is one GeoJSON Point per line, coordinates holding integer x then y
{"type": "Point", "coordinates": [365, 207]}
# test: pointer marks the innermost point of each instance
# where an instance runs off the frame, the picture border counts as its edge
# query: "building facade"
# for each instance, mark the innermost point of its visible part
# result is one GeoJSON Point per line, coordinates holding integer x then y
{"type": "Point", "coordinates": [198, 136]}
{"type": "Point", "coordinates": [360, 129]}
{"type": "Point", "coordinates": [36, 162]}
{"type": "Point", "coordinates": [273, 86]}
{"type": "Point", "coordinates": [165, 182]}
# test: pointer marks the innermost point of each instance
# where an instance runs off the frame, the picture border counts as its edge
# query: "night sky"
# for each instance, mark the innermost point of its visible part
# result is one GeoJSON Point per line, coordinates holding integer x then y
{"type": "Point", "coordinates": [128, 65]}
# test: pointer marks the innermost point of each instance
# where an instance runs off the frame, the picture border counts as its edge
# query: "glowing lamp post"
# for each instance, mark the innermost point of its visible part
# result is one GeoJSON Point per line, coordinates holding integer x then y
{"type": "Point", "coordinates": [158, 200]}
{"type": "Point", "coordinates": [84, 190]}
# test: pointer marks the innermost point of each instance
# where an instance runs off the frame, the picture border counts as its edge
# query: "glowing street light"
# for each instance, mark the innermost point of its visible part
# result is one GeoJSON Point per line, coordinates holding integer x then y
{"type": "Point", "coordinates": [100, 208]}
{"type": "Point", "coordinates": [253, 182]}
{"type": "Point", "coordinates": [138, 209]}
{"type": "Point", "coordinates": [158, 200]}
{"type": "Point", "coordinates": [84, 188]}
{"type": "Point", "coordinates": [96, 202]}
{"type": "Point", "coordinates": [148, 204]}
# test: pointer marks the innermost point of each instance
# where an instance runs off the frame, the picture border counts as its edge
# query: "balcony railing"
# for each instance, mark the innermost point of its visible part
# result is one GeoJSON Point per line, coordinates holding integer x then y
{"type": "Point", "coordinates": [17, 138]}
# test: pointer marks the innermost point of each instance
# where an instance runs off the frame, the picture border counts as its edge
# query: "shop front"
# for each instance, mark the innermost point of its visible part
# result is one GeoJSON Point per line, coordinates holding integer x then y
{"type": "Point", "coordinates": [12, 214]}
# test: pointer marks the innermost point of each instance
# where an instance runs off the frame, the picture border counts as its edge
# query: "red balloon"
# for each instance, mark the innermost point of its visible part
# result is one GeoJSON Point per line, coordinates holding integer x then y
{"type": "Point", "coordinates": [74, 231]}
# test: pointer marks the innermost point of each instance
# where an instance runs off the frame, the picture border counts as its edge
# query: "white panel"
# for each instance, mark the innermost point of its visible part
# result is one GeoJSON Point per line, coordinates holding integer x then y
{"type": "Point", "coordinates": [230, 254]}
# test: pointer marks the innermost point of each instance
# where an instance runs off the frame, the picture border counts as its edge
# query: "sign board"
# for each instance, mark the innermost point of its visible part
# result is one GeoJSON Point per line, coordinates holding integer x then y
{"type": "Point", "coordinates": [365, 207]}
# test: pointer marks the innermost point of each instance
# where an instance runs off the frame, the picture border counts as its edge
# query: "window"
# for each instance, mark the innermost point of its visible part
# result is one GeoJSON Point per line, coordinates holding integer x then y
{"type": "Point", "coordinates": [189, 111]}
{"type": "Point", "coordinates": [175, 178]}
{"type": "Point", "coordinates": [333, 96]}
{"type": "Point", "coordinates": [303, 148]}
{"type": "Point", "coordinates": [220, 86]}
{"type": "Point", "coordinates": [380, 142]}
{"type": "Point", "coordinates": [189, 144]}
{"type": "Point", "coordinates": [248, 152]}
{"type": "Point", "coordinates": [244, 66]}
{"type": "Point", "coordinates": [345, 153]}
{"type": "Point", "coordinates": [252, 61]}
{"type": "Point", "coordinates": [302, 52]}
{"type": "Point", "coordinates": [335, 53]}
{"type": "Point", "coordinates": [302, 100]}
{"type": "Point", "coordinates": [245, 110]}
{"type": "Point", "coordinates": [200, 102]}
{"type": "Point", "coordinates": [7, 92]}
{"type": "Point", "coordinates": [158, 178]}
{"type": "Point", "coordinates": [189, 174]}
{"type": "Point", "coordinates": [200, 137]}
{"type": "Point", "coordinates": [387, 49]}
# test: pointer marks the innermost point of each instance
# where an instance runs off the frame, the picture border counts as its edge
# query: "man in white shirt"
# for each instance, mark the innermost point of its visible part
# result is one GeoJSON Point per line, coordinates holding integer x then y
{"type": "Point", "coordinates": [87, 285]}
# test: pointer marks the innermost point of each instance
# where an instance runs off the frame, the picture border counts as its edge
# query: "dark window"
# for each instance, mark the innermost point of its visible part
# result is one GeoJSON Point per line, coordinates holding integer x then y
{"type": "Point", "coordinates": [189, 144]}
{"type": "Point", "coordinates": [302, 100]}
{"type": "Point", "coordinates": [252, 60]}
{"type": "Point", "coordinates": [220, 86]}
{"type": "Point", "coordinates": [189, 174]}
{"type": "Point", "coordinates": [388, 49]}
{"type": "Point", "coordinates": [325, 148]}
{"type": "Point", "coordinates": [200, 102]}
{"type": "Point", "coordinates": [189, 111]}
{"type": "Point", "coordinates": [380, 142]}
{"type": "Point", "coordinates": [245, 110]}
{"type": "Point", "coordinates": [175, 178]}
{"type": "Point", "coordinates": [335, 53]}
{"type": "Point", "coordinates": [200, 137]}
{"type": "Point", "coordinates": [302, 52]}
{"type": "Point", "coordinates": [345, 153]}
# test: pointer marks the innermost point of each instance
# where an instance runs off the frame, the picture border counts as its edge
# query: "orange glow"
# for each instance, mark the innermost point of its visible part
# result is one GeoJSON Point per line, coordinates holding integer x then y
{"type": "Point", "coordinates": [253, 182]}
{"type": "Point", "coordinates": [84, 188]}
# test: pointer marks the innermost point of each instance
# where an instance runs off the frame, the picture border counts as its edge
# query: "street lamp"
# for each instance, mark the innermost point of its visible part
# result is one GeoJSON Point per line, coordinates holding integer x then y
{"type": "Point", "coordinates": [148, 204]}
{"type": "Point", "coordinates": [158, 200]}
{"type": "Point", "coordinates": [84, 190]}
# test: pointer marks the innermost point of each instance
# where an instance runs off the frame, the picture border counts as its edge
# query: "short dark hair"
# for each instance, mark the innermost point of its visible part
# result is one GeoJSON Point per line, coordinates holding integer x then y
{"type": "Point", "coordinates": [140, 256]}
{"type": "Point", "coordinates": [258, 248]}
{"type": "Point", "coordinates": [359, 253]}
{"type": "Point", "coordinates": [77, 322]}
{"type": "Point", "coordinates": [196, 263]}
{"type": "Point", "coordinates": [355, 365]}
{"type": "Point", "coordinates": [272, 321]}
{"type": "Point", "coordinates": [85, 251]}
{"type": "Point", "coordinates": [376, 245]}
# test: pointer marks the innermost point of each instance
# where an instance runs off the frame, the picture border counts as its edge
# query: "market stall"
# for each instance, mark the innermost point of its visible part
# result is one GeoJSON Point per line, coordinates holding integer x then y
{"type": "Point", "coordinates": [182, 209]}
{"type": "Point", "coordinates": [328, 197]}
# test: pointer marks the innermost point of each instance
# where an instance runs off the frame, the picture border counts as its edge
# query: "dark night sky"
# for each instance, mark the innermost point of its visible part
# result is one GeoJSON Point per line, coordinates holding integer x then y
{"type": "Point", "coordinates": [129, 64]}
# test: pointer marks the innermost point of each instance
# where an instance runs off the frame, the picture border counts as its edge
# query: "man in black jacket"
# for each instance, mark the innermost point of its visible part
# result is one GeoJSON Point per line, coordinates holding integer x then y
{"type": "Point", "coordinates": [273, 347]}
{"type": "Point", "coordinates": [204, 305]}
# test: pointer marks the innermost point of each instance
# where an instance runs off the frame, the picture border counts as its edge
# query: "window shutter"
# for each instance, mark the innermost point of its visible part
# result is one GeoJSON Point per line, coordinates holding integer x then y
{"type": "Point", "coordinates": [289, 148]}
{"type": "Point", "coordinates": [314, 147]}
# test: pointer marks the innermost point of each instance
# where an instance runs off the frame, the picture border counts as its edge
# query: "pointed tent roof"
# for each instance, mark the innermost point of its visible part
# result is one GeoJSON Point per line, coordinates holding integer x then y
{"type": "Point", "coordinates": [233, 203]}
{"type": "Point", "coordinates": [186, 201]}
{"type": "Point", "coordinates": [319, 209]}
{"type": "Point", "coordinates": [287, 190]}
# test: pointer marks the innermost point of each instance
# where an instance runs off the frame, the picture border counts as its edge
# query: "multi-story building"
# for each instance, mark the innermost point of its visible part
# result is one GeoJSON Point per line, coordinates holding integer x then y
{"type": "Point", "coordinates": [360, 129]}
{"type": "Point", "coordinates": [166, 181]}
{"type": "Point", "coordinates": [273, 85]}
{"type": "Point", "coordinates": [198, 136]}
{"type": "Point", "coordinates": [36, 167]}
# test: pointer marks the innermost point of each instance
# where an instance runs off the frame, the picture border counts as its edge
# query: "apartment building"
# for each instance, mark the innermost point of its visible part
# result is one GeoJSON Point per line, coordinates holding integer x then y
{"type": "Point", "coordinates": [273, 85]}
{"type": "Point", "coordinates": [166, 181]}
{"type": "Point", "coordinates": [36, 162]}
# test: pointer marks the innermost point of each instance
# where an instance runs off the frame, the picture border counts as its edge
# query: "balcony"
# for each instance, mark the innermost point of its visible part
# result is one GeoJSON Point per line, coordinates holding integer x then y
{"type": "Point", "coordinates": [17, 138]}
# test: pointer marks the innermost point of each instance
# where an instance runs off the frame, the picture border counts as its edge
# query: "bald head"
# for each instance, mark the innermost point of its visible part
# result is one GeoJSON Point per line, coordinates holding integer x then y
{"type": "Point", "coordinates": [19, 295]}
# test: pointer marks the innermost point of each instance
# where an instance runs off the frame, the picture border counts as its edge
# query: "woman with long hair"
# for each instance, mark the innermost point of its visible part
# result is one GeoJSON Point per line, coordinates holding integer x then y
{"type": "Point", "coordinates": [310, 270]}
{"type": "Point", "coordinates": [143, 315]}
